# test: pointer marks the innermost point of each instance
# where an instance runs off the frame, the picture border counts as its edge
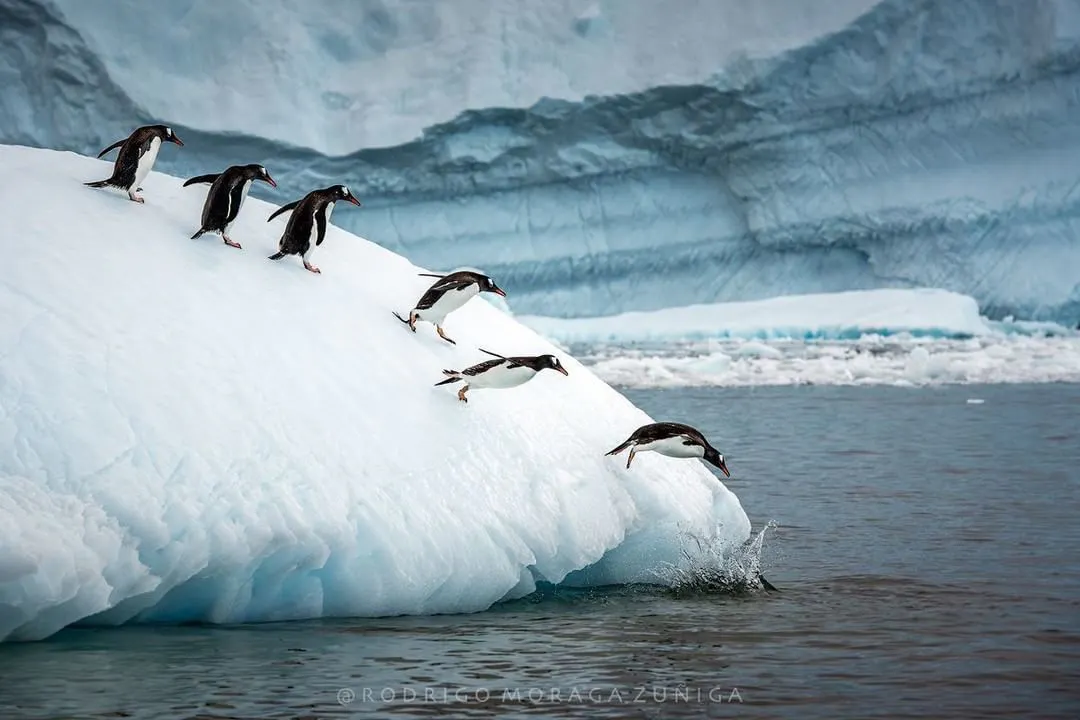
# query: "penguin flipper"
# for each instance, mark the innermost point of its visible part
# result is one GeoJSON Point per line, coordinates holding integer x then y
{"type": "Point", "coordinates": [283, 208]}
{"type": "Point", "coordinates": [115, 145]}
{"type": "Point", "coordinates": [501, 357]}
{"type": "Point", "coordinates": [202, 179]}
{"type": "Point", "coordinates": [766, 584]}
{"type": "Point", "coordinates": [320, 223]}
{"type": "Point", "coordinates": [454, 377]}
{"type": "Point", "coordinates": [431, 275]}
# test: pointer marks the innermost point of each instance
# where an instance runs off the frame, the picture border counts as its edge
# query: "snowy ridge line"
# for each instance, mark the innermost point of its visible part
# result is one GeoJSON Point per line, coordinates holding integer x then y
{"type": "Point", "coordinates": [849, 315]}
{"type": "Point", "coordinates": [193, 433]}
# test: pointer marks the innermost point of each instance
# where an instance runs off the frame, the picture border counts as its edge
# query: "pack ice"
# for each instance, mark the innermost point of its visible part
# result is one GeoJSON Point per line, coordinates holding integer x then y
{"type": "Point", "coordinates": [190, 432]}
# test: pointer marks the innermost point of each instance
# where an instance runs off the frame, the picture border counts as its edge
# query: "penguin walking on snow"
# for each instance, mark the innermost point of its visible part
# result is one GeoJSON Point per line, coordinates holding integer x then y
{"type": "Point", "coordinates": [307, 225]}
{"type": "Point", "coordinates": [502, 372]}
{"type": "Point", "coordinates": [226, 196]}
{"type": "Point", "coordinates": [448, 294]}
{"type": "Point", "coordinates": [136, 158]}
{"type": "Point", "coordinates": [674, 440]}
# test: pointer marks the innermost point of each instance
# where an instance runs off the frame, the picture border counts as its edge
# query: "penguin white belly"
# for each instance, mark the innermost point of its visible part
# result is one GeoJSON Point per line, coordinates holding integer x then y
{"type": "Point", "coordinates": [243, 196]}
{"type": "Point", "coordinates": [673, 447]}
{"type": "Point", "coordinates": [448, 303]}
{"type": "Point", "coordinates": [501, 377]}
{"type": "Point", "coordinates": [146, 162]}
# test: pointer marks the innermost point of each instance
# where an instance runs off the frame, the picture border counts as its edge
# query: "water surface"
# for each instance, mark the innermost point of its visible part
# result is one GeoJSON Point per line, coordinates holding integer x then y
{"type": "Point", "coordinates": [926, 549]}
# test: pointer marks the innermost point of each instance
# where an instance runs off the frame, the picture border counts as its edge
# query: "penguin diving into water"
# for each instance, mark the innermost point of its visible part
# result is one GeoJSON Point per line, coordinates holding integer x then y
{"type": "Point", "coordinates": [674, 440]}
{"type": "Point", "coordinates": [448, 294]}
{"type": "Point", "coordinates": [307, 225]}
{"type": "Point", "coordinates": [226, 196]}
{"type": "Point", "coordinates": [502, 372]}
{"type": "Point", "coordinates": [136, 158]}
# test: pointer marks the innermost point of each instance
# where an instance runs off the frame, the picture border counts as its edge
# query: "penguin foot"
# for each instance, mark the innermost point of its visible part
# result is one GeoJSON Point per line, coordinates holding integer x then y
{"type": "Point", "coordinates": [312, 268]}
{"type": "Point", "coordinates": [230, 243]}
{"type": "Point", "coordinates": [136, 198]}
{"type": "Point", "coordinates": [461, 394]}
{"type": "Point", "coordinates": [439, 330]}
{"type": "Point", "coordinates": [411, 322]}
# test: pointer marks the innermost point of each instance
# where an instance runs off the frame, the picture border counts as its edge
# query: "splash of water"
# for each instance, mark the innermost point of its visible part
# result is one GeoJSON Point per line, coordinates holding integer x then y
{"type": "Point", "coordinates": [709, 567]}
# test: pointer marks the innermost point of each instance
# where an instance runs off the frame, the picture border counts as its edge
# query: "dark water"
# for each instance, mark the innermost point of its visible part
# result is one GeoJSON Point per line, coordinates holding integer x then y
{"type": "Point", "coordinates": [928, 556]}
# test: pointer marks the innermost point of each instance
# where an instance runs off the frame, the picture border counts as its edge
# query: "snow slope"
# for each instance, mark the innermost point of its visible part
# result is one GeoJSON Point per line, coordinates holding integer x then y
{"type": "Point", "coordinates": [922, 143]}
{"type": "Point", "coordinates": [193, 432]}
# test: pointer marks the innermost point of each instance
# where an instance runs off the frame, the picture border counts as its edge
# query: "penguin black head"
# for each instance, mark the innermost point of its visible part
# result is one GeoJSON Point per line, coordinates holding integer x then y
{"type": "Point", "coordinates": [165, 133]}
{"type": "Point", "coordinates": [713, 456]}
{"type": "Point", "coordinates": [488, 285]}
{"type": "Point", "coordinates": [258, 172]}
{"type": "Point", "coordinates": [340, 192]}
{"type": "Point", "coordinates": [552, 362]}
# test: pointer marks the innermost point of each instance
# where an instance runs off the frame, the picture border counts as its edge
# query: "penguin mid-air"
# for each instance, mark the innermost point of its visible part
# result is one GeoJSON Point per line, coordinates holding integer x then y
{"type": "Point", "coordinates": [674, 440]}
{"type": "Point", "coordinates": [307, 225]}
{"type": "Point", "coordinates": [502, 372]}
{"type": "Point", "coordinates": [226, 196]}
{"type": "Point", "coordinates": [136, 158]}
{"type": "Point", "coordinates": [448, 294]}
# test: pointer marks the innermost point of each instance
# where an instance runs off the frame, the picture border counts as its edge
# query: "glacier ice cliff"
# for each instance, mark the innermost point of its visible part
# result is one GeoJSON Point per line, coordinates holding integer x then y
{"type": "Point", "coordinates": [911, 143]}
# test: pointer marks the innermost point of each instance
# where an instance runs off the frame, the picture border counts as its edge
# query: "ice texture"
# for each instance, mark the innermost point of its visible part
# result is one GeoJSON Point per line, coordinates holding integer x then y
{"type": "Point", "coordinates": [602, 161]}
{"type": "Point", "coordinates": [190, 432]}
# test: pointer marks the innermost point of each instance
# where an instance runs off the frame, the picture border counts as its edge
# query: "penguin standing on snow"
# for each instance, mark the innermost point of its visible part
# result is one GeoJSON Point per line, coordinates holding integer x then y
{"type": "Point", "coordinates": [226, 196]}
{"type": "Point", "coordinates": [136, 158]}
{"type": "Point", "coordinates": [307, 226]}
{"type": "Point", "coordinates": [674, 440]}
{"type": "Point", "coordinates": [502, 372]}
{"type": "Point", "coordinates": [448, 294]}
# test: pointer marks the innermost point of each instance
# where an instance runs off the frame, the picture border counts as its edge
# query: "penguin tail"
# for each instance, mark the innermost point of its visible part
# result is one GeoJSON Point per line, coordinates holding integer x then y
{"type": "Point", "coordinates": [97, 184]}
{"type": "Point", "coordinates": [197, 235]}
{"type": "Point", "coordinates": [619, 449]}
{"type": "Point", "coordinates": [454, 377]}
{"type": "Point", "coordinates": [278, 255]}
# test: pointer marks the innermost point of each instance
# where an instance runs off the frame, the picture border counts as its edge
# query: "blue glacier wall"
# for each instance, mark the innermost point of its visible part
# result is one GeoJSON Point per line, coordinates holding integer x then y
{"type": "Point", "coordinates": [926, 143]}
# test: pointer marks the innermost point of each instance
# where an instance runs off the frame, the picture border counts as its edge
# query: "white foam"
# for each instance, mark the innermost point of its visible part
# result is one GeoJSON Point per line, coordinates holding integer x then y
{"type": "Point", "coordinates": [900, 360]}
{"type": "Point", "coordinates": [192, 432]}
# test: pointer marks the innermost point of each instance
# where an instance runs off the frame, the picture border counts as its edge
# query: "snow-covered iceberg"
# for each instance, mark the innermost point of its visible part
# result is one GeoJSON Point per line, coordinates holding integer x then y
{"type": "Point", "coordinates": [193, 432]}
{"type": "Point", "coordinates": [921, 143]}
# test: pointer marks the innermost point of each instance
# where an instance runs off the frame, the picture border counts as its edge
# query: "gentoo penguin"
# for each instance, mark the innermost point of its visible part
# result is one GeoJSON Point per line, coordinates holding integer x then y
{"type": "Point", "coordinates": [135, 159]}
{"type": "Point", "coordinates": [448, 294]}
{"type": "Point", "coordinates": [674, 440]}
{"type": "Point", "coordinates": [307, 226]}
{"type": "Point", "coordinates": [226, 196]}
{"type": "Point", "coordinates": [502, 372]}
